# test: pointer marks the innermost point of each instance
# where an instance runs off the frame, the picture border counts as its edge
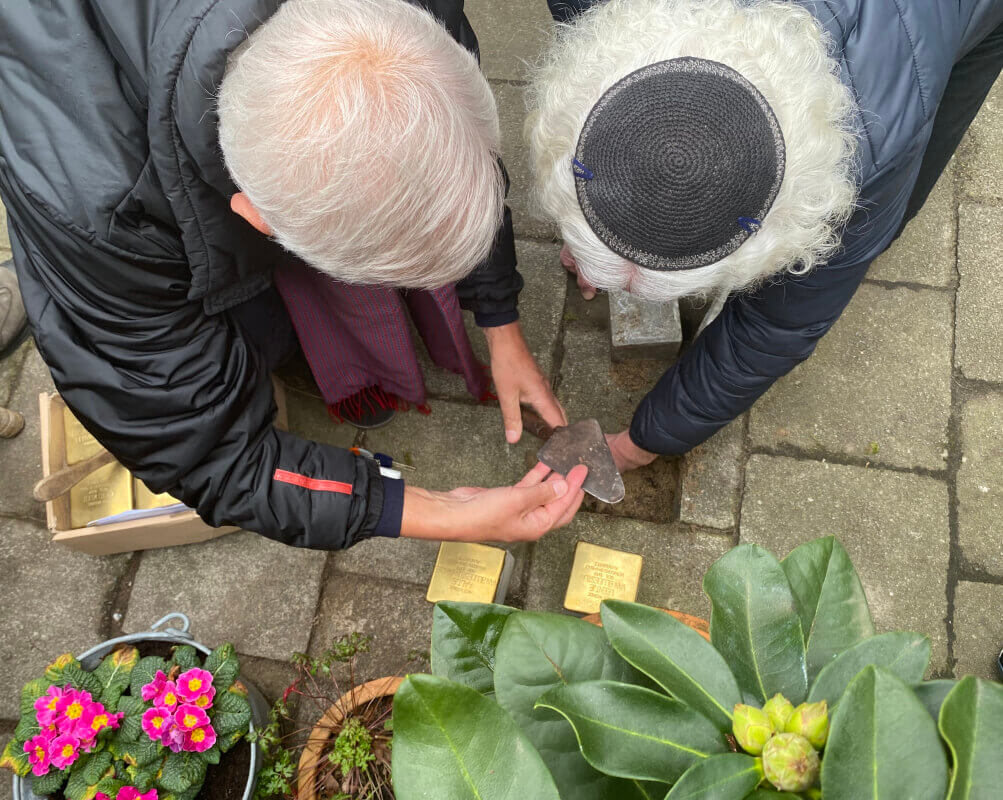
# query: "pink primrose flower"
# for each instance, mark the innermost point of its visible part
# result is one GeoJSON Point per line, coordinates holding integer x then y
{"type": "Point", "coordinates": [47, 706]}
{"type": "Point", "coordinates": [101, 796]}
{"type": "Point", "coordinates": [156, 722]}
{"type": "Point", "coordinates": [194, 683]}
{"type": "Point", "coordinates": [37, 748]}
{"type": "Point", "coordinates": [154, 687]}
{"type": "Point", "coordinates": [71, 707]}
{"type": "Point", "coordinates": [63, 751]}
{"type": "Point", "coordinates": [168, 696]}
{"type": "Point", "coordinates": [189, 716]}
{"type": "Point", "coordinates": [174, 739]}
{"type": "Point", "coordinates": [200, 739]}
{"type": "Point", "coordinates": [129, 793]}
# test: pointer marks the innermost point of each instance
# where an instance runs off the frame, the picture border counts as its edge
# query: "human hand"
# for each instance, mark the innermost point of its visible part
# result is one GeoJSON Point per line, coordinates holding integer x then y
{"type": "Point", "coordinates": [588, 290]}
{"type": "Point", "coordinates": [540, 502]}
{"type": "Point", "coordinates": [518, 380]}
{"type": "Point", "coordinates": [626, 454]}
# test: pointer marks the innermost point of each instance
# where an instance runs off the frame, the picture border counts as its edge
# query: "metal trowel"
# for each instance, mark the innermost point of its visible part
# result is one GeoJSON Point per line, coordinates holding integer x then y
{"type": "Point", "coordinates": [582, 442]}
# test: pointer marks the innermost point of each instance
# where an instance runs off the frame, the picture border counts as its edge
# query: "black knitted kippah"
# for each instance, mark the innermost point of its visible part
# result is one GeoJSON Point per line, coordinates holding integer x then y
{"type": "Point", "coordinates": [678, 163]}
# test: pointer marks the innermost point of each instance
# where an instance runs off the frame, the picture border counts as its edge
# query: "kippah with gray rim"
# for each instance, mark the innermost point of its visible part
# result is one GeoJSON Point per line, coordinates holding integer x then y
{"type": "Point", "coordinates": [678, 163]}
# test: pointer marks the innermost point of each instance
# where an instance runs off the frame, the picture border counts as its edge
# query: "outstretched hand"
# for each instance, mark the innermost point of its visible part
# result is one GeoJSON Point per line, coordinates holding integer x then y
{"type": "Point", "coordinates": [518, 380]}
{"type": "Point", "coordinates": [540, 502]}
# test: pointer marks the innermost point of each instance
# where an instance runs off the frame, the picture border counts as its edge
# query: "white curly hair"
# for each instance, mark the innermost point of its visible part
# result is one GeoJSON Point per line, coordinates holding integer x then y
{"type": "Point", "coordinates": [777, 46]}
{"type": "Point", "coordinates": [367, 139]}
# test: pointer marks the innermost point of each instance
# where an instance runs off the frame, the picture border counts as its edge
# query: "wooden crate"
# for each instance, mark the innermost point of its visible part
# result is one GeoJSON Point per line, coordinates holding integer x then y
{"type": "Point", "coordinates": [167, 530]}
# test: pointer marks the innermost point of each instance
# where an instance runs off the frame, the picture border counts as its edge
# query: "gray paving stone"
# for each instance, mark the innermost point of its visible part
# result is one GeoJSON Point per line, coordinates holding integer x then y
{"type": "Point", "coordinates": [397, 616]}
{"type": "Point", "coordinates": [10, 370]}
{"type": "Point", "coordinates": [241, 588]}
{"type": "Point", "coordinates": [541, 305]}
{"type": "Point", "coordinates": [711, 477]}
{"type": "Point", "coordinates": [894, 526]}
{"type": "Point", "coordinates": [980, 484]}
{"type": "Point", "coordinates": [878, 386]}
{"type": "Point", "coordinates": [22, 455]}
{"type": "Point", "coordinates": [982, 151]}
{"type": "Point", "coordinates": [926, 251]}
{"type": "Point", "coordinates": [675, 559]}
{"type": "Point", "coordinates": [591, 386]}
{"type": "Point", "coordinates": [642, 328]}
{"type": "Point", "coordinates": [52, 601]}
{"type": "Point", "coordinates": [271, 677]}
{"type": "Point", "coordinates": [510, 34]}
{"type": "Point", "coordinates": [308, 418]}
{"type": "Point", "coordinates": [978, 629]}
{"type": "Point", "coordinates": [512, 114]}
{"type": "Point", "coordinates": [980, 300]}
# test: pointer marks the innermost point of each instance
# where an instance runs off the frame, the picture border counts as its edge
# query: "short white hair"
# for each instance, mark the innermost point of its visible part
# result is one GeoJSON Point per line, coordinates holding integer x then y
{"type": "Point", "coordinates": [779, 48]}
{"type": "Point", "coordinates": [367, 138]}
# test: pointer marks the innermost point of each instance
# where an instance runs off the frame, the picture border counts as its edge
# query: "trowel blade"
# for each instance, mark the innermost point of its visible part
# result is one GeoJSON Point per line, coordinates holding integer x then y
{"type": "Point", "coordinates": [584, 443]}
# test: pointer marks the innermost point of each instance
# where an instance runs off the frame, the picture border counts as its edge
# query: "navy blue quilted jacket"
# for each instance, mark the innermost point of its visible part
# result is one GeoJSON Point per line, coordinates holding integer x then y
{"type": "Point", "coordinates": [896, 55]}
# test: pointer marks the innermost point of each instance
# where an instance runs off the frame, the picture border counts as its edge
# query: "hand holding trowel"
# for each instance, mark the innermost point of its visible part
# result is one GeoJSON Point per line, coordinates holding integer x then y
{"type": "Point", "coordinates": [582, 442]}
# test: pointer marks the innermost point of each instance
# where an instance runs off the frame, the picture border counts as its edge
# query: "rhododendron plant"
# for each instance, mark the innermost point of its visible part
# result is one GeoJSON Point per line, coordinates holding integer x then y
{"type": "Point", "coordinates": [132, 729]}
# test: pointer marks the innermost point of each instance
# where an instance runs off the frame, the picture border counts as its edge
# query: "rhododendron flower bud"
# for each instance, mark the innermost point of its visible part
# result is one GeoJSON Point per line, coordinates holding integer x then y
{"type": "Point", "coordinates": [751, 727]}
{"type": "Point", "coordinates": [779, 709]}
{"type": "Point", "coordinates": [47, 706]}
{"type": "Point", "coordinates": [154, 687]}
{"type": "Point", "coordinates": [790, 762]}
{"type": "Point", "coordinates": [63, 751]}
{"type": "Point", "coordinates": [188, 717]}
{"type": "Point", "coordinates": [811, 720]}
{"type": "Point", "coordinates": [200, 739]}
{"type": "Point", "coordinates": [156, 721]}
{"type": "Point", "coordinates": [37, 748]}
{"type": "Point", "coordinates": [194, 683]}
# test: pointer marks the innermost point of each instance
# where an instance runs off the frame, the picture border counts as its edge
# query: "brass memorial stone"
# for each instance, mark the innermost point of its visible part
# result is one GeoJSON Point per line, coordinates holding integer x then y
{"type": "Point", "coordinates": [599, 573]}
{"type": "Point", "coordinates": [104, 492]}
{"type": "Point", "coordinates": [147, 499]}
{"type": "Point", "coordinates": [80, 444]}
{"type": "Point", "coordinates": [470, 572]}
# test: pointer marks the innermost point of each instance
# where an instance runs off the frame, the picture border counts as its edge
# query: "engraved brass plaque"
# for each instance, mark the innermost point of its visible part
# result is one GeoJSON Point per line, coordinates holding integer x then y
{"type": "Point", "coordinates": [144, 498]}
{"type": "Point", "coordinates": [466, 572]}
{"type": "Point", "coordinates": [80, 444]}
{"type": "Point", "coordinates": [599, 573]}
{"type": "Point", "coordinates": [104, 492]}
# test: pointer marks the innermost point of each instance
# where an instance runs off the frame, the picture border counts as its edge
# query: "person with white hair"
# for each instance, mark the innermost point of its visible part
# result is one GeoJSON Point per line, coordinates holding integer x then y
{"type": "Point", "coordinates": [766, 151]}
{"type": "Point", "coordinates": [163, 163]}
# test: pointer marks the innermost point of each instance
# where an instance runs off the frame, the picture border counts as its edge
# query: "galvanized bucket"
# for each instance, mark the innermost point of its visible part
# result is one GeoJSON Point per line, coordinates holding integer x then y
{"type": "Point", "coordinates": [160, 631]}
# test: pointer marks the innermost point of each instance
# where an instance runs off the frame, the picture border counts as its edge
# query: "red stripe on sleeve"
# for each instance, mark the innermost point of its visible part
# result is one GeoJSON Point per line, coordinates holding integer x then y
{"type": "Point", "coordinates": [284, 476]}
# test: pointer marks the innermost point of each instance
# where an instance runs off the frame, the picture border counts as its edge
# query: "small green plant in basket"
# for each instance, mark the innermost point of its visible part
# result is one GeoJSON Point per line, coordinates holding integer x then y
{"type": "Point", "coordinates": [794, 696]}
{"type": "Point", "coordinates": [133, 728]}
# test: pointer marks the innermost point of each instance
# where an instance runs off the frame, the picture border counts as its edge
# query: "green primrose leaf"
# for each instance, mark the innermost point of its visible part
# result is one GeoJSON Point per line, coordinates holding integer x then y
{"type": "Point", "coordinates": [186, 657]}
{"type": "Point", "coordinates": [971, 722]}
{"type": "Point", "coordinates": [451, 741]}
{"type": "Point", "coordinates": [755, 621]}
{"type": "Point", "coordinates": [673, 655]}
{"type": "Point", "coordinates": [14, 758]}
{"type": "Point", "coordinates": [882, 745]}
{"type": "Point", "coordinates": [182, 771]}
{"type": "Point", "coordinates": [464, 638]}
{"type": "Point", "coordinates": [633, 732]}
{"type": "Point", "coordinates": [224, 666]}
{"type": "Point", "coordinates": [144, 672]}
{"type": "Point", "coordinates": [830, 600]}
{"type": "Point", "coordinates": [49, 783]}
{"type": "Point", "coordinates": [114, 674]}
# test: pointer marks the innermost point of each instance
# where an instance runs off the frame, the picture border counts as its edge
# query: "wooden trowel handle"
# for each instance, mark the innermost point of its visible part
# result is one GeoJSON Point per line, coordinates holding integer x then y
{"type": "Point", "coordinates": [533, 423]}
{"type": "Point", "coordinates": [61, 481]}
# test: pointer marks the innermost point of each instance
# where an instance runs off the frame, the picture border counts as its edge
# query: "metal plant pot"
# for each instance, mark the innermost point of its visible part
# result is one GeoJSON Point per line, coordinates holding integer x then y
{"type": "Point", "coordinates": [160, 631]}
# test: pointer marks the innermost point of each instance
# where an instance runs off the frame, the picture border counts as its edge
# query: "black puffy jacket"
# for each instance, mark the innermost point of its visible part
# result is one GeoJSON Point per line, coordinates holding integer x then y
{"type": "Point", "coordinates": [129, 258]}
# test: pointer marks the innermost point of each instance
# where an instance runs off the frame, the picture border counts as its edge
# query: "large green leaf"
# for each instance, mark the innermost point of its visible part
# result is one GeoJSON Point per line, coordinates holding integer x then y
{"type": "Point", "coordinates": [971, 721]}
{"type": "Point", "coordinates": [182, 771]}
{"type": "Point", "coordinates": [47, 784]}
{"type": "Point", "coordinates": [727, 777]}
{"type": "Point", "coordinates": [633, 732]}
{"type": "Point", "coordinates": [755, 624]}
{"type": "Point", "coordinates": [830, 600]}
{"type": "Point", "coordinates": [932, 694]}
{"type": "Point", "coordinates": [539, 652]}
{"type": "Point", "coordinates": [902, 653]}
{"type": "Point", "coordinates": [883, 745]}
{"type": "Point", "coordinates": [771, 794]}
{"type": "Point", "coordinates": [464, 637]}
{"type": "Point", "coordinates": [673, 655]}
{"type": "Point", "coordinates": [451, 741]}
{"type": "Point", "coordinates": [144, 672]}
{"type": "Point", "coordinates": [224, 666]}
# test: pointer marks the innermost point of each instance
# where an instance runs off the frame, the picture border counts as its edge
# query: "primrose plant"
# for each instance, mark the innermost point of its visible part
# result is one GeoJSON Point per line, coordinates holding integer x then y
{"type": "Point", "coordinates": [132, 729]}
{"type": "Point", "coordinates": [794, 695]}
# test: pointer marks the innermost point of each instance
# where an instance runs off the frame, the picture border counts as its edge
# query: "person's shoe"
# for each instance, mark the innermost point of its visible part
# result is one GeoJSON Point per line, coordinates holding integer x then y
{"type": "Point", "coordinates": [13, 320]}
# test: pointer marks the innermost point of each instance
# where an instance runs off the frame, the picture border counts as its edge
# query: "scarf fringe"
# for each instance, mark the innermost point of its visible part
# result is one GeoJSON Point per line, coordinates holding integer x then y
{"type": "Point", "coordinates": [369, 399]}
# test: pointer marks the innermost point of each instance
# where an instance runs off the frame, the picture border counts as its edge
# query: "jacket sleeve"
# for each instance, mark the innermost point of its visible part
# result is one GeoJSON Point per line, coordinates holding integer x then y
{"type": "Point", "coordinates": [181, 398]}
{"type": "Point", "coordinates": [491, 291]}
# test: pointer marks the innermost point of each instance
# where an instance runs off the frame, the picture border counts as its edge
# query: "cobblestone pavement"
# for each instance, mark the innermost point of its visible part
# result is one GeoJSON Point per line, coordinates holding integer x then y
{"type": "Point", "coordinates": [889, 437]}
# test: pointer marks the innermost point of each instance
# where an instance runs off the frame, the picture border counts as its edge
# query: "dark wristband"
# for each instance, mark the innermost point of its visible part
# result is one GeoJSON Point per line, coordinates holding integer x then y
{"type": "Point", "coordinates": [389, 523]}
{"type": "Point", "coordinates": [496, 319]}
